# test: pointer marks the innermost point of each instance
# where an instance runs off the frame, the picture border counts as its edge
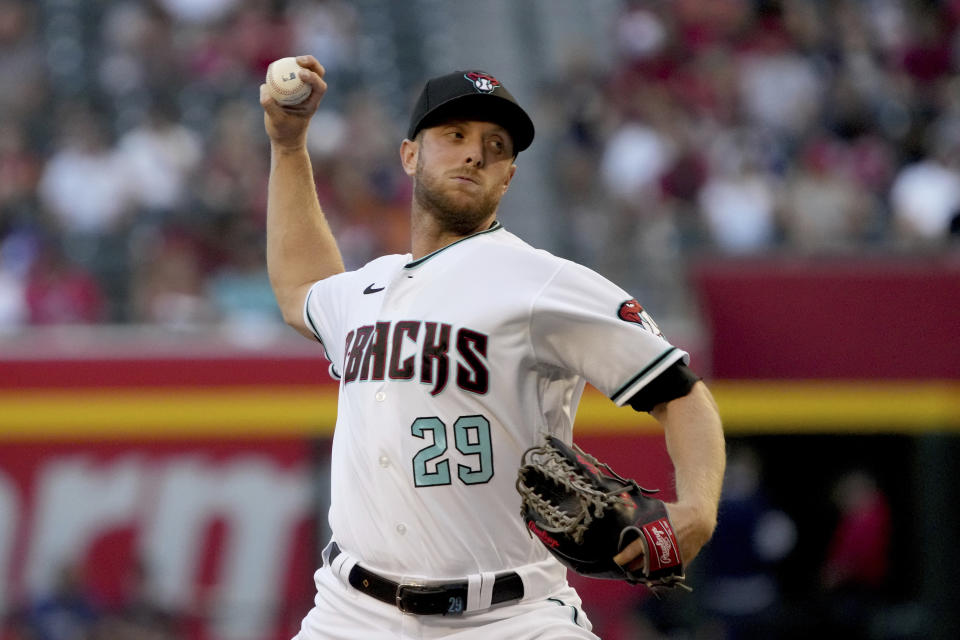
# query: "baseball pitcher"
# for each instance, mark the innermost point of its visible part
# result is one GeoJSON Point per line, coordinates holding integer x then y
{"type": "Point", "coordinates": [460, 363]}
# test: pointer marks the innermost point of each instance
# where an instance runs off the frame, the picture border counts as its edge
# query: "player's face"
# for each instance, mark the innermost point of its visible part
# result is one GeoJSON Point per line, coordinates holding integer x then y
{"type": "Point", "coordinates": [462, 168]}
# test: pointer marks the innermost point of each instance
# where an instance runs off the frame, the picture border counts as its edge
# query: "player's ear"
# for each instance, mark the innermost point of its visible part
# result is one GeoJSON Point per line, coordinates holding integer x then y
{"type": "Point", "coordinates": [506, 181]}
{"type": "Point", "coordinates": [409, 149]}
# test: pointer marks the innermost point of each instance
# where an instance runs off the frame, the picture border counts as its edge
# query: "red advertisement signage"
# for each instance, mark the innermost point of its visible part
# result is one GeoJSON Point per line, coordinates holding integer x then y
{"type": "Point", "coordinates": [185, 483]}
{"type": "Point", "coordinates": [222, 532]}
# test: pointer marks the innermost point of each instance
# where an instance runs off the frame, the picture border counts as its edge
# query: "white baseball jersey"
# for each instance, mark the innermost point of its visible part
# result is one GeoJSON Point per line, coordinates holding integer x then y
{"type": "Point", "coordinates": [450, 367]}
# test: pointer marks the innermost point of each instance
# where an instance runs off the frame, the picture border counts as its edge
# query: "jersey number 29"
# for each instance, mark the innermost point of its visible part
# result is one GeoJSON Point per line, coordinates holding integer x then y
{"type": "Point", "coordinates": [471, 436]}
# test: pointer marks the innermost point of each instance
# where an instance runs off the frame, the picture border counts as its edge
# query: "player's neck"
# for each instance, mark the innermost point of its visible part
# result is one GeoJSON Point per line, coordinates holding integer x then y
{"type": "Point", "coordinates": [428, 235]}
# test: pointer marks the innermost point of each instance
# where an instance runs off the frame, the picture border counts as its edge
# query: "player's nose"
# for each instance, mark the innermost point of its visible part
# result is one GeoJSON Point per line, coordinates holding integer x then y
{"type": "Point", "coordinates": [473, 150]}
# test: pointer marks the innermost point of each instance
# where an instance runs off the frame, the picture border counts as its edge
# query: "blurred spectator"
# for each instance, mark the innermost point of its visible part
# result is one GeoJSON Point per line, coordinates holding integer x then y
{"type": "Point", "coordinates": [823, 206]}
{"type": "Point", "coordinates": [733, 126]}
{"type": "Point", "coordinates": [142, 54]}
{"type": "Point", "coordinates": [169, 285]}
{"type": "Point", "coordinates": [741, 591]}
{"type": "Point", "coordinates": [85, 184]}
{"type": "Point", "coordinates": [927, 48]}
{"type": "Point", "coordinates": [636, 156]}
{"type": "Point", "coordinates": [252, 36]}
{"type": "Point", "coordinates": [365, 193]}
{"type": "Point", "coordinates": [198, 11]}
{"type": "Point", "coordinates": [137, 616]}
{"type": "Point", "coordinates": [644, 237]}
{"type": "Point", "coordinates": [232, 179]}
{"type": "Point", "coordinates": [779, 87]}
{"type": "Point", "coordinates": [577, 118]}
{"type": "Point", "coordinates": [19, 170]}
{"type": "Point", "coordinates": [60, 291]}
{"type": "Point", "coordinates": [85, 188]}
{"type": "Point", "coordinates": [159, 157]}
{"type": "Point", "coordinates": [21, 61]}
{"type": "Point", "coordinates": [854, 573]}
{"type": "Point", "coordinates": [13, 307]}
{"type": "Point", "coordinates": [641, 33]}
{"type": "Point", "coordinates": [16, 626]}
{"type": "Point", "coordinates": [738, 201]}
{"type": "Point", "coordinates": [67, 613]}
{"type": "Point", "coordinates": [18, 251]}
{"type": "Point", "coordinates": [925, 195]}
{"type": "Point", "coordinates": [328, 29]}
{"type": "Point", "coordinates": [240, 289]}
{"type": "Point", "coordinates": [679, 186]}
{"type": "Point", "coordinates": [858, 557]}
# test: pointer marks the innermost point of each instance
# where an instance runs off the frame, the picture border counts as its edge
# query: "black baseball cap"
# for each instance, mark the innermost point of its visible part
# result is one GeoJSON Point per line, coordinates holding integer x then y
{"type": "Point", "coordinates": [471, 95]}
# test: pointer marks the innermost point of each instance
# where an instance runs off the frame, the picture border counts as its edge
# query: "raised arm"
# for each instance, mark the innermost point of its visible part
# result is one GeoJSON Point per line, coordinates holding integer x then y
{"type": "Point", "coordinates": [300, 246]}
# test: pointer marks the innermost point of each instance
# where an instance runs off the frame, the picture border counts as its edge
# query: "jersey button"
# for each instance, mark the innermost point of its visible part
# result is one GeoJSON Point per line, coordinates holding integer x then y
{"type": "Point", "coordinates": [401, 528]}
{"type": "Point", "coordinates": [384, 461]}
{"type": "Point", "coordinates": [381, 396]}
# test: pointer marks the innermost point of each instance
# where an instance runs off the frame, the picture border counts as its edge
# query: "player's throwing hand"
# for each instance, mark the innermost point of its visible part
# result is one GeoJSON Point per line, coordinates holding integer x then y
{"type": "Point", "coordinates": [287, 125]}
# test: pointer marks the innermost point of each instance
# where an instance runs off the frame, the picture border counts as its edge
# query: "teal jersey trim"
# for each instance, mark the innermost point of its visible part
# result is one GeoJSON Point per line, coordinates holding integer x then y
{"type": "Point", "coordinates": [416, 263]}
{"type": "Point", "coordinates": [306, 308]}
{"type": "Point", "coordinates": [316, 333]}
{"type": "Point", "coordinates": [561, 603]}
{"type": "Point", "coordinates": [623, 388]}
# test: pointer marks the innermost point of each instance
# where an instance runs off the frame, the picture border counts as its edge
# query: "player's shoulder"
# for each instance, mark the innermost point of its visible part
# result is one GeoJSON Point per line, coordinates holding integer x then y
{"type": "Point", "coordinates": [507, 246]}
{"type": "Point", "coordinates": [513, 252]}
{"type": "Point", "coordinates": [378, 269]}
{"type": "Point", "coordinates": [388, 262]}
{"type": "Point", "coordinates": [548, 276]}
{"type": "Point", "coordinates": [375, 267]}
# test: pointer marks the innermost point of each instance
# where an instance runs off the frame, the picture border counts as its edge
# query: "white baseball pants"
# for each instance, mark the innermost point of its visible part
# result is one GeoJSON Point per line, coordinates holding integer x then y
{"type": "Point", "coordinates": [343, 613]}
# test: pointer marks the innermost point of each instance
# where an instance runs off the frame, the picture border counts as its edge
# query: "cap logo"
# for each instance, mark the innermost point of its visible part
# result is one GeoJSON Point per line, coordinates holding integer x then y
{"type": "Point", "coordinates": [483, 82]}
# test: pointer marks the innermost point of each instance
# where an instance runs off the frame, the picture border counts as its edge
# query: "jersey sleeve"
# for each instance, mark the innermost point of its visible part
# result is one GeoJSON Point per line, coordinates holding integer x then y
{"type": "Point", "coordinates": [583, 324]}
{"type": "Point", "coordinates": [321, 315]}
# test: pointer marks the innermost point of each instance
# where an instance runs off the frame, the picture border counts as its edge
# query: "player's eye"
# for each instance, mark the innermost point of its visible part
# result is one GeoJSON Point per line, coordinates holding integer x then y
{"type": "Point", "coordinates": [497, 145]}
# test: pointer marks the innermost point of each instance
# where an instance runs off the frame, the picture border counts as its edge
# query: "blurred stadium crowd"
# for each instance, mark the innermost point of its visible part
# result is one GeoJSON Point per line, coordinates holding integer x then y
{"type": "Point", "coordinates": [133, 164]}
{"type": "Point", "coordinates": [133, 171]}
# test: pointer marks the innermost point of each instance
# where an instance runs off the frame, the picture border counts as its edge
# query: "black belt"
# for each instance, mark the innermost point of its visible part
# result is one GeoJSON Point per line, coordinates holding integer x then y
{"type": "Point", "coordinates": [443, 599]}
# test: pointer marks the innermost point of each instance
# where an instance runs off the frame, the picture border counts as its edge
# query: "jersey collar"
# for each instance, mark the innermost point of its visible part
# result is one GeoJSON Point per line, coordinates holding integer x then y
{"type": "Point", "coordinates": [416, 263]}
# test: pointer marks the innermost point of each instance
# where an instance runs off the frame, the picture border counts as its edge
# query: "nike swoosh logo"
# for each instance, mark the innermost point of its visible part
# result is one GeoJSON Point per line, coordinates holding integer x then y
{"type": "Point", "coordinates": [371, 289]}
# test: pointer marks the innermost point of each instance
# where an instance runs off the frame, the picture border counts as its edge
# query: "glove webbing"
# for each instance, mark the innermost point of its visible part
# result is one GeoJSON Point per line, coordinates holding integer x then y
{"type": "Point", "coordinates": [557, 468]}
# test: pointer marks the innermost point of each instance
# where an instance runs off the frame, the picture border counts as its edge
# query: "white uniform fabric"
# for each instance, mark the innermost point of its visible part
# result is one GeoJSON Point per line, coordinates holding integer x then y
{"type": "Point", "coordinates": [343, 613]}
{"type": "Point", "coordinates": [452, 366]}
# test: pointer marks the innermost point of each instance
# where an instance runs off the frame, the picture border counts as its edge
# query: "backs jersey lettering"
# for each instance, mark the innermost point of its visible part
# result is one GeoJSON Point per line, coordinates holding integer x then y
{"type": "Point", "coordinates": [451, 366]}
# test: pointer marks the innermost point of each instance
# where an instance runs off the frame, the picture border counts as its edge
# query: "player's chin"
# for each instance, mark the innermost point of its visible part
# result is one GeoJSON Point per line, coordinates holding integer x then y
{"type": "Point", "coordinates": [464, 198]}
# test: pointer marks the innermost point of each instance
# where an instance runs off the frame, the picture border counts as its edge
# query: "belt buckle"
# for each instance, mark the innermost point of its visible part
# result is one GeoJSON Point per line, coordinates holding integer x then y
{"type": "Point", "coordinates": [399, 595]}
{"type": "Point", "coordinates": [449, 604]}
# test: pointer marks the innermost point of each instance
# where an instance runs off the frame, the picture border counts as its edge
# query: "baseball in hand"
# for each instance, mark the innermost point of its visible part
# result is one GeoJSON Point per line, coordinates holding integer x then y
{"type": "Point", "coordinates": [284, 83]}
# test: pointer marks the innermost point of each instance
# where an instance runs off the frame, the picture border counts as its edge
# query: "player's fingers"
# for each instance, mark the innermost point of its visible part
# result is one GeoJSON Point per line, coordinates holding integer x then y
{"type": "Point", "coordinates": [632, 553]}
{"type": "Point", "coordinates": [318, 88]}
{"type": "Point", "coordinates": [271, 107]}
{"type": "Point", "coordinates": [309, 62]}
{"type": "Point", "coordinates": [265, 99]}
{"type": "Point", "coordinates": [314, 80]}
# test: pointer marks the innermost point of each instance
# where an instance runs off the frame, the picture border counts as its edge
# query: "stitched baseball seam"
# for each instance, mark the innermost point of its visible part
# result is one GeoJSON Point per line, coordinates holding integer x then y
{"type": "Point", "coordinates": [274, 86]}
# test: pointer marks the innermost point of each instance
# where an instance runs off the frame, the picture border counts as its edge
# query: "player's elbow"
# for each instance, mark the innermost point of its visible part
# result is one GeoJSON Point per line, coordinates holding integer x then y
{"type": "Point", "coordinates": [294, 319]}
{"type": "Point", "coordinates": [291, 316]}
{"type": "Point", "coordinates": [290, 301]}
